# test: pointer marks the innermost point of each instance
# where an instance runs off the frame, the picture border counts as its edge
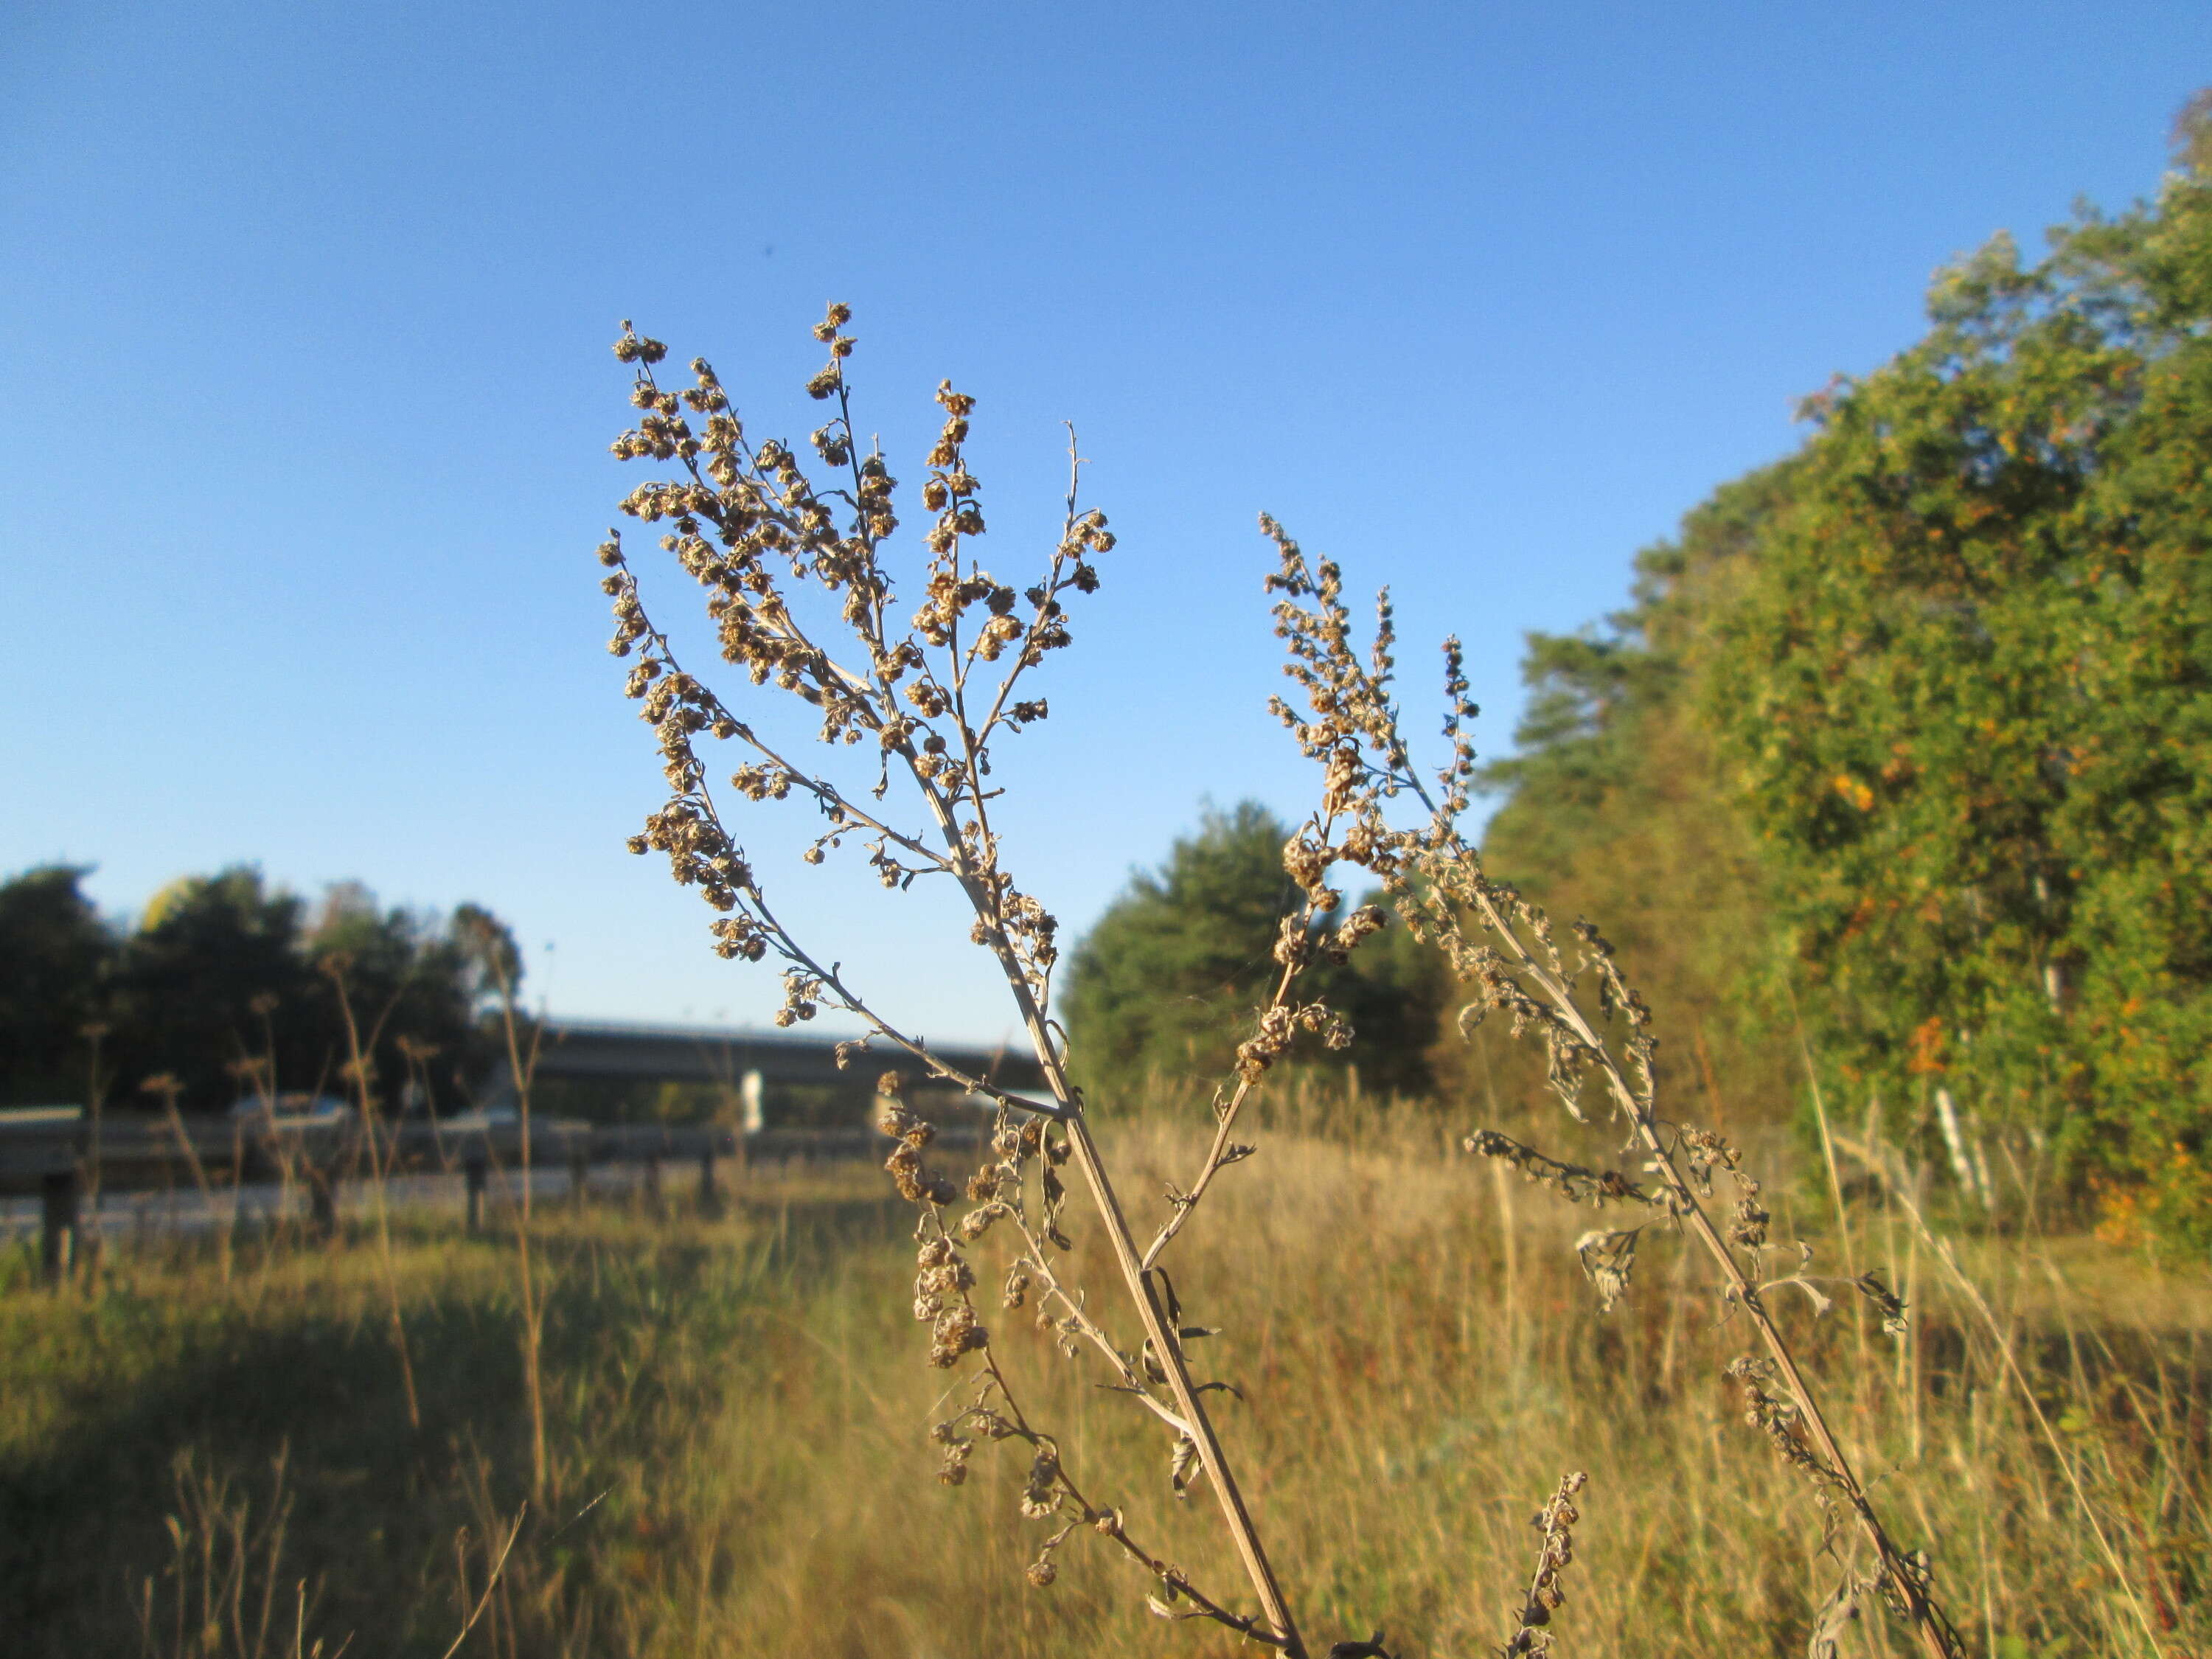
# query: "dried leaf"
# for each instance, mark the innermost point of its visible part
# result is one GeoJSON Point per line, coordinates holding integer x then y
{"type": "Point", "coordinates": [1183, 1465]}
{"type": "Point", "coordinates": [1607, 1258]}
{"type": "Point", "coordinates": [1821, 1301]}
{"type": "Point", "coordinates": [1841, 1609]}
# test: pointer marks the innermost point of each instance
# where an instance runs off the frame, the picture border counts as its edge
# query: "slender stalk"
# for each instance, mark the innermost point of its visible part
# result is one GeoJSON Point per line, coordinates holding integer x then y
{"type": "Point", "coordinates": [367, 1101]}
{"type": "Point", "coordinates": [166, 1088]}
{"type": "Point", "coordinates": [1217, 1159]}
{"type": "Point", "coordinates": [514, 1532]}
{"type": "Point", "coordinates": [523, 1069]}
{"type": "Point", "coordinates": [1136, 1276]}
{"type": "Point", "coordinates": [1354, 732]}
{"type": "Point", "coordinates": [1929, 1628]}
{"type": "Point", "coordinates": [739, 512]}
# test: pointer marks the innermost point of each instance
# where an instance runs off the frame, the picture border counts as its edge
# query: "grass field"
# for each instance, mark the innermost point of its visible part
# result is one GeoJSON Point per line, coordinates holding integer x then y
{"type": "Point", "coordinates": [738, 1413]}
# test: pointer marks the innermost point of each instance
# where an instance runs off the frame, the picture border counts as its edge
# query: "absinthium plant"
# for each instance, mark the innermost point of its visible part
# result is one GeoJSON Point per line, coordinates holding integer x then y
{"type": "Point", "coordinates": [1504, 948]}
{"type": "Point", "coordinates": [919, 700]}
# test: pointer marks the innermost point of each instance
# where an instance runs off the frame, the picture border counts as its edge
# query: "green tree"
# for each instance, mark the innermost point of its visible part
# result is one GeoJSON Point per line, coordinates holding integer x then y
{"type": "Point", "coordinates": [225, 968]}
{"type": "Point", "coordinates": [214, 965]}
{"type": "Point", "coordinates": [55, 957]}
{"type": "Point", "coordinates": [1967, 693]}
{"type": "Point", "coordinates": [1615, 811]}
{"type": "Point", "coordinates": [1918, 722]}
{"type": "Point", "coordinates": [1166, 982]}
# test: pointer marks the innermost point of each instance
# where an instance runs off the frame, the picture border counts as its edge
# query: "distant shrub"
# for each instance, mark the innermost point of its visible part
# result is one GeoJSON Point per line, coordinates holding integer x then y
{"type": "Point", "coordinates": [1165, 983]}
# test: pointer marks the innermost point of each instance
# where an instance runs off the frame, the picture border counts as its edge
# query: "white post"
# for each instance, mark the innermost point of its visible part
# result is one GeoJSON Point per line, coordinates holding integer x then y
{"type": "Point", "coordinates": [751, 1092]}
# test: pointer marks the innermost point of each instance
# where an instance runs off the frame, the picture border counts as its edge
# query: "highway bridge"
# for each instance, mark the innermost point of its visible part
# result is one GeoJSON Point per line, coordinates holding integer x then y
{"type": "Point", "coordinates": [606, 1071]}
{"type": "Point", "coordinates": [596, 1086]}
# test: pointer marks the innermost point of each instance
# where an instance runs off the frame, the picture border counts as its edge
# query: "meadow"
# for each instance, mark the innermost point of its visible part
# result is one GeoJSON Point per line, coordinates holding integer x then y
{"type": "Point", "coordinates": [738, 1411]}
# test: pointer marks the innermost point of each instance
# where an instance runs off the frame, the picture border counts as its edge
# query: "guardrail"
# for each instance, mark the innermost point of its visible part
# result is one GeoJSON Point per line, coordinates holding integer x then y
{"type": "Point", "coordinates": [65, 1157]}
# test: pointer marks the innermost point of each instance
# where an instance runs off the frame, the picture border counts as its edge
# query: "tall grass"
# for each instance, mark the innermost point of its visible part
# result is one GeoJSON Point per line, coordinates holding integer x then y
{"type": "Point", "coordinates": [736, 1415]}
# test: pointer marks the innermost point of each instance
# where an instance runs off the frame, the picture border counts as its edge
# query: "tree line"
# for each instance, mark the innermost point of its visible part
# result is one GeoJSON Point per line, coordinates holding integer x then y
{"type": "Point", "coordinates": [1903, 746]}
{"type": "Point", "coordinates": [238, 990]}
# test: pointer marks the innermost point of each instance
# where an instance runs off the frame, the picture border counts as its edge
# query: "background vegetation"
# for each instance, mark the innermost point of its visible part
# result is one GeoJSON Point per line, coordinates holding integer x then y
{"type": "Point", "coordinates": [739, 1465]}
{"type": "Point", "coordinates": [1161, 988]}
{"type": "Point", "coordinates": [1898, 762]}
{"type": "Point", "coordinates": [222, 969]}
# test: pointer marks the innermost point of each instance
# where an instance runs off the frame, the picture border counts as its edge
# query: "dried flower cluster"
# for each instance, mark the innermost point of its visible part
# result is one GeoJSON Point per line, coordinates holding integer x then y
{"type": "Point", "coordinates": [915, 691]}
{"type": "Point", "coordinates": [1506, 951]}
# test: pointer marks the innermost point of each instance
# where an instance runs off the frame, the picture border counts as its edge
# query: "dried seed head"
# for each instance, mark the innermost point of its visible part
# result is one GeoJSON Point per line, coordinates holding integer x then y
{"type": "Point", "coordinates": [952, 1469]}
{"type": "Point", "coordinates": [1556, 1521]}
{"type": "Point", "coordinates": [1041, 1491]}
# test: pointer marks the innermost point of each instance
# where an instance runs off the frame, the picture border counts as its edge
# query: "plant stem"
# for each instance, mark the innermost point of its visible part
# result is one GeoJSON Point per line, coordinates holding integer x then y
{"type": "Point", "coordinates": [1166, 1343]}
{"type": "Point", "coordinates": [376, 1170]}
{"type": "Point", "coordinates": [1928, 1626]}
{"type": "Point", "coordinates": [533, 1317]}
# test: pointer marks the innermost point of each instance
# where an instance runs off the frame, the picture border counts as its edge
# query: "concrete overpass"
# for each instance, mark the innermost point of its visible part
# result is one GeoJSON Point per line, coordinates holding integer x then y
{"type": "Point", "coordinates": [777, 1078]}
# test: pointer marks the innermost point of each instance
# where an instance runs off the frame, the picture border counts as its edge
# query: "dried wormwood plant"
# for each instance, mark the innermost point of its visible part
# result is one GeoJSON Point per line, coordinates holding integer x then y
{"type": "Point", "coordinates": [1556, 1521]}
{"type": "Point", "coordinates": [923, 701]}
{"type": "Point", "coordinates": [1504, 948]}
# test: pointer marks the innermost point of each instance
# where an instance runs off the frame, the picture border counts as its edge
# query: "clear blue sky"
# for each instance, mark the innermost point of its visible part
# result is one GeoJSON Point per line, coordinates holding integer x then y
{"type": "Point", "coordinates": [305, 392]}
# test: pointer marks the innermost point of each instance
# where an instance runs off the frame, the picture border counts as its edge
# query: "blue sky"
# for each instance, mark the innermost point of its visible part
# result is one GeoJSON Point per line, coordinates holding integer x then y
{"type": "Point", "coordinates": [306, 393]}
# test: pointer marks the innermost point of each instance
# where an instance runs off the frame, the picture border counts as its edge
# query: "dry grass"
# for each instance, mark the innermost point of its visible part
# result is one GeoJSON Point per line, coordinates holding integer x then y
{"type": "Point", "coordinates": [739, 1465]}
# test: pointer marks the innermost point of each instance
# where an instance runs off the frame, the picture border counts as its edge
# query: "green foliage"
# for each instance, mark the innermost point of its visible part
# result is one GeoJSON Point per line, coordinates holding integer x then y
{"type": "Point", "coordinates": [223, 971]}
{"type": "Point", "coordinates": [1615, 811]}
{"type": "Point", "coordinates": [1919, 722]}
{"type": "Point", "coordinates": [55, 956]}
{"type": "Point", "coordinates": [1967, 690]}
{"type": "Point", "coordinates": [187, 981]}
{"type": "Point", "coordinates": [1167, 983]}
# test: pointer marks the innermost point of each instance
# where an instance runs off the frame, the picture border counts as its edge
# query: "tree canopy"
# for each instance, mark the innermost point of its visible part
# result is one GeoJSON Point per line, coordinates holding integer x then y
{"type": "Point", "coordinates": [1967, 692]}
{"type": "Point", "coordinates": [1917, 724]}
{"type": "Point", "coordinates": [1165, 984]}
{"type": "Point", "coordinates": [224, 978]}
{"type": "Point", "coordinates": [54, 953]}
